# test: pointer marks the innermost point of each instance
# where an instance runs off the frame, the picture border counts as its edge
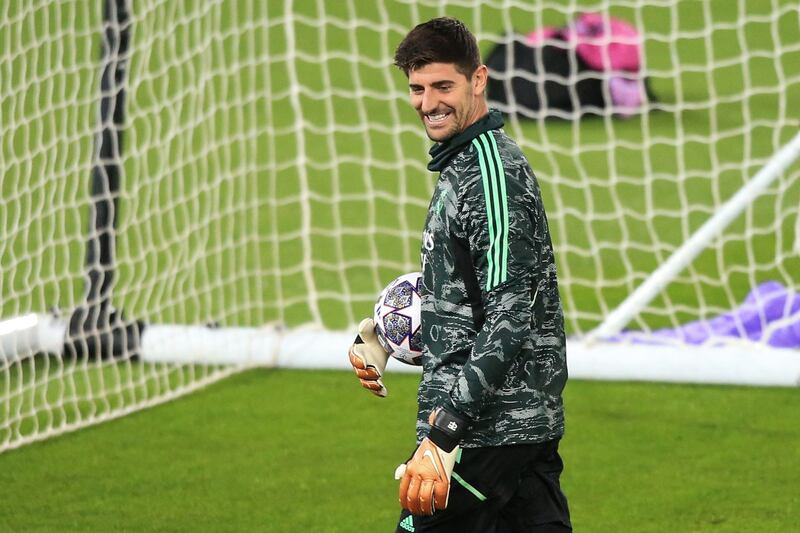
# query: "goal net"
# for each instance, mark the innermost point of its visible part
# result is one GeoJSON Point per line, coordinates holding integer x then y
{"type": "Point", "coordinates": [263, 178]}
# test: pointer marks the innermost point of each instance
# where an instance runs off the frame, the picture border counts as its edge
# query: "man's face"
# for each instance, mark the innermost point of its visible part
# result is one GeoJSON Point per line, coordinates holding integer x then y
{"type": "Point", "coordinates": [447, 102]}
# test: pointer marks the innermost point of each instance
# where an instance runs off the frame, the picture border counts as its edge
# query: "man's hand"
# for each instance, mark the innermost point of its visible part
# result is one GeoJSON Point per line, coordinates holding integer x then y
{"type": "Point", "coordinates": [369, 358]}
{"type": "Point", "coordinates": [425, 479]}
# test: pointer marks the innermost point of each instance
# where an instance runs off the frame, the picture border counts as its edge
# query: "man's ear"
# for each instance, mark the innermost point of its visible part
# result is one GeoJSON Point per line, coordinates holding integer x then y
{"type": "Point", "coordinates": [479, 79]}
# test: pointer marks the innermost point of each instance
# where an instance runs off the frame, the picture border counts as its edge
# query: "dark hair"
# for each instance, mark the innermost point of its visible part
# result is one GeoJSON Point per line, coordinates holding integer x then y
{"type": "Point", "coordinates": [440, 40]}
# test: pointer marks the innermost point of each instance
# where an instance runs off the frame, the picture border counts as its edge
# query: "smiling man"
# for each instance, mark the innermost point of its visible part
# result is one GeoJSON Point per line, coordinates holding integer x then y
{"type": "Point", "coordinates": [494, 366]}
{"type": "Point", "coordinates": [446, 100]}
{"type": "Point", "coordinates": [494, 361]}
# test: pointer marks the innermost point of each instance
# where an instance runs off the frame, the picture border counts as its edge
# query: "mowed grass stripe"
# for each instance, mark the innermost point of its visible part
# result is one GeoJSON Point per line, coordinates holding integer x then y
{"type": "Point", "coordinates": [279, 450]}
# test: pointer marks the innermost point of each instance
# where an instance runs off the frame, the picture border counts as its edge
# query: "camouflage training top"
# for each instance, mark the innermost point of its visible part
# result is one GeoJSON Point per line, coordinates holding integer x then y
{"type": "Point", "coordinates": [492, 323]}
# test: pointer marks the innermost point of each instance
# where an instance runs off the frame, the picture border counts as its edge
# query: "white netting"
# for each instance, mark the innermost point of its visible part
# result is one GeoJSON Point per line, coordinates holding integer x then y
{"type": "Point", "coordinates": [272, 171]}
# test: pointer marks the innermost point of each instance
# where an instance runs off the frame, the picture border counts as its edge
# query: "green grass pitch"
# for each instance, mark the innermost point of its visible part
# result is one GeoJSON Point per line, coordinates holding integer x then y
{"type": "Point", "coordinates": [290, 451]}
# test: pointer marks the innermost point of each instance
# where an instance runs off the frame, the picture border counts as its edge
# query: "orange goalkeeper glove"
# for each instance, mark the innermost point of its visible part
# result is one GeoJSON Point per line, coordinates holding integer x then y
{"type": "Point", "coordinates": [369, 358]}
{"type": "Point", "coordinates": [425, 478]}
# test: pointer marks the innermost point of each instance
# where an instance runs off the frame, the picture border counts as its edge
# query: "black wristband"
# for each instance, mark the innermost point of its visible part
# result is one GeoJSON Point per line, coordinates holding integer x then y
{"type": "Point", "coordinates": [447, 429]}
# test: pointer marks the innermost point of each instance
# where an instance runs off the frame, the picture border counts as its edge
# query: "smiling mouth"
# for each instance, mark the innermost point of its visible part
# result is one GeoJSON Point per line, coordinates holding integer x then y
{"type": "Point", "coordinates": [436, 118]}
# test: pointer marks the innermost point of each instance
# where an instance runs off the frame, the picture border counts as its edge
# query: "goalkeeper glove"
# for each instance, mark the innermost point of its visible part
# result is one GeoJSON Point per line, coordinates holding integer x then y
{"type": "Point", "coordinates": [369, 358]}
{"type": "Point", "coordinates": [425, 478]}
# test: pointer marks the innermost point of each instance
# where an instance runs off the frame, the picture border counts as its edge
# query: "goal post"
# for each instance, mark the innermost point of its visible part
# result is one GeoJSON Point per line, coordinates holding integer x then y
{"type": "Point", "coordinates": [699, 241]}
{"type": "Point", "coordinates": [259, 176]}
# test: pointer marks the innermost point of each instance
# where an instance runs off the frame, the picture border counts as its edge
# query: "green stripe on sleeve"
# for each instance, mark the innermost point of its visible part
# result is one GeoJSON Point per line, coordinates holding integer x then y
{"type": "Point", "coordinates": [504, 200]}
{"type": "Point", "coordinates": [497, 208]}
{"type": "Point", "coordinates": [496, 243]}
{"type": "Point", "coordinates": [493, 179]}
{"type": "Point", "coordinates": [489, 212]}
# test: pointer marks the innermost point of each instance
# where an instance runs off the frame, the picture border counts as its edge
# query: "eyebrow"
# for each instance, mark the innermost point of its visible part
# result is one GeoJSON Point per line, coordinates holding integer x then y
{"type": "Point", "coordinates": [436, 84]}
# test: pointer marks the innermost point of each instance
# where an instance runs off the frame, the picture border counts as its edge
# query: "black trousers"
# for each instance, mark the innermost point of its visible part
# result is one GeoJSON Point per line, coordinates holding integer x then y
{"type": "Point", "coordinates": [505, 489]}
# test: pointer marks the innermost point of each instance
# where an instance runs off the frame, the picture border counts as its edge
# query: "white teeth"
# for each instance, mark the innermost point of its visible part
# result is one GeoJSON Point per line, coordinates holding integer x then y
{"type": "Point", "coordinates": [437, 118]}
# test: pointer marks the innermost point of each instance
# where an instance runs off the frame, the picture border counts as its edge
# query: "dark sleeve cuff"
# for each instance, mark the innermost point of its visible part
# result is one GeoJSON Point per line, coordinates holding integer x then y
{"type": "Point", "coordinates": [448, 429]}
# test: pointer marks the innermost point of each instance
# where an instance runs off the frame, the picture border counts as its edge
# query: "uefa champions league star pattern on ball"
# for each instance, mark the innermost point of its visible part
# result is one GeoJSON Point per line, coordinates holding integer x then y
{"type": "Point", "coordinates": [397, 319]}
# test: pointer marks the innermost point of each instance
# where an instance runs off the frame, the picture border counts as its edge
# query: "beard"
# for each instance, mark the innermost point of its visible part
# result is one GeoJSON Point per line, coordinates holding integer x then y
{"type": "Point", "coordinates": [449, 129]}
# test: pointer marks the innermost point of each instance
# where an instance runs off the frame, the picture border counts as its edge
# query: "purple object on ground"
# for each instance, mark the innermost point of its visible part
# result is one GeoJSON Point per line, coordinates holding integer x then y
{"type": "Point", "coordinates": [627, 94]}
{"type": "Point", "coordinates": [767, 303]}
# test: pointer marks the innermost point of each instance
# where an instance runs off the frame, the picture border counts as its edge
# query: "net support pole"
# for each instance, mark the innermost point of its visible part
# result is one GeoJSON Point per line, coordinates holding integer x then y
{"type": "Point", "coordinates": [690, 249]}
{"type": "Point", "coordinates": [94, 327]}
{"type": "Point", "coordinates": [107, 169]}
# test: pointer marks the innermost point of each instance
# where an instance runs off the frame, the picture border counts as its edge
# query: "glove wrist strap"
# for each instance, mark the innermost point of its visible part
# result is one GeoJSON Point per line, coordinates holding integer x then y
{"type": "Point", "coordinates": [447, 429]}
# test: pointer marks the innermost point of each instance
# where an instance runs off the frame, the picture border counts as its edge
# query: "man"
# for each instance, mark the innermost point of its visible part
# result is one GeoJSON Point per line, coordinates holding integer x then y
{"type": "Point", "coordinates": [494, 365]}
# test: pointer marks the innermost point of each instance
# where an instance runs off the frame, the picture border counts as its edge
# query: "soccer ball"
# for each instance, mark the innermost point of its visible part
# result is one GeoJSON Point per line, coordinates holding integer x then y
{"type": "Point", "coordinates": [397, 319]}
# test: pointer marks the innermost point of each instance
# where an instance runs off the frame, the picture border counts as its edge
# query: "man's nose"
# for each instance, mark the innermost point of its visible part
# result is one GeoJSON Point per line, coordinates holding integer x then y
{"type": "Point", "coordinates": [429, 101]}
